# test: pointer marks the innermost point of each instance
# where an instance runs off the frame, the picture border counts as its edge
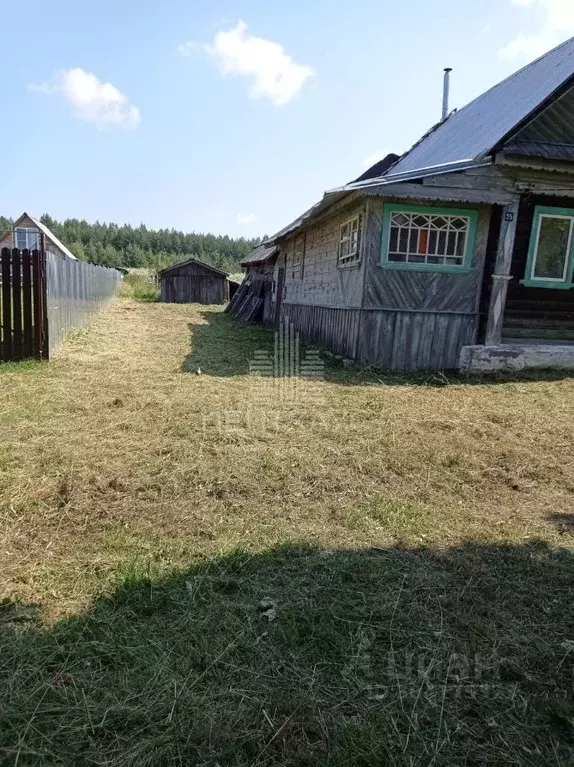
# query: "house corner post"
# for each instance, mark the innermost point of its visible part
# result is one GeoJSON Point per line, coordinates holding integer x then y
{"type": "Point", "coordinates": [501, 276]}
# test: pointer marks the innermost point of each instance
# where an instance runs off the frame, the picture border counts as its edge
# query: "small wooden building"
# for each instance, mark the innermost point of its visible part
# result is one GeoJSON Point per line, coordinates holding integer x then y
{"type": "Point", "coordinates": [460, 253]}
{"type": "Point", "coordinates": [193, 282]}
{"type": "Point", "coordinates": [256, 299]}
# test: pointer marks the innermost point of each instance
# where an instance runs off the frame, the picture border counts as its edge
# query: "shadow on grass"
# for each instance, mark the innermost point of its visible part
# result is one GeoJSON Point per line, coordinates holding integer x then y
{"type": "Point", "coordinates": [300, 656]}
{"type": "Point", "coordinates": [565, 522]}
{"type": "Point", "coordinates": [224, 347]}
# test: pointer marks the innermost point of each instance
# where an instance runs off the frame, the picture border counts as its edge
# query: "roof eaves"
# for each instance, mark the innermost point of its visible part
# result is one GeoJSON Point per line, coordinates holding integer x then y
{"type": "Point", "coordinates": [52, 237]}
{"type": "Point", "coordinates": [310, 214]}
{"type": "Point", "coordinates": [192, 261]}
{"type": "Point", "coordinates": [395, 178]}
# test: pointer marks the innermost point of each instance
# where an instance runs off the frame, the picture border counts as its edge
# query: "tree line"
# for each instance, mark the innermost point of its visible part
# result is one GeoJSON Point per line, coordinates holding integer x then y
{"type": "Point", "coordinates": [135, 247]}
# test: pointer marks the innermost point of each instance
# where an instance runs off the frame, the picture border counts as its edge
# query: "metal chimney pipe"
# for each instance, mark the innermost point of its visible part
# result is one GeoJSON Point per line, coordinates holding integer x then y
{"type": "Point", "coordinates": [446, 93]}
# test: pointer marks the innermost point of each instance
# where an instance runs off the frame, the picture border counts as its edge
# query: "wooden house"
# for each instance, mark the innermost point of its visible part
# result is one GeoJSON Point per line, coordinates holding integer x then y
{"type": "Point", "coordinates": [460, 253]}
{"type": "Point", "coordinates": [193, 282]}
{"type": "Point", "coordinates": [28, 233]}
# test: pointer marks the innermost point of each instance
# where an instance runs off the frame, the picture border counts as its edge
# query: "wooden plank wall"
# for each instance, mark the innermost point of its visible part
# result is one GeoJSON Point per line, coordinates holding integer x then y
{"type": "Point", "coordinates": [394, 340]}
{"type": "Point", "coordinates": [433, 291]}
{"type": "Point", "coordinates": [320, 281]}
{"type": "Point", "coordinates": [333, 328]}
{"type": "Point", "coordinates": [194, 289]}
{"type": "Point", "coordinates": [401, 320]}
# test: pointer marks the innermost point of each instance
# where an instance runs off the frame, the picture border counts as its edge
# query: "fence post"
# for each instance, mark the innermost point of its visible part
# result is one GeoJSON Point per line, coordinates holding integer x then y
{"type": "Point", "coordinates": [17, 304]}
{"type": "Point", "coordinates": [6, 305]}
{"type": "Point", "coordinates": [27, 313]}
{"type": "Point", "coordinates": [40, 313]}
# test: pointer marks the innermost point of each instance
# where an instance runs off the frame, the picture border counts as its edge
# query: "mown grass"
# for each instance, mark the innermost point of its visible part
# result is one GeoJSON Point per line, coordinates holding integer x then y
{"type": "Point", "coordinates": [201, 569]}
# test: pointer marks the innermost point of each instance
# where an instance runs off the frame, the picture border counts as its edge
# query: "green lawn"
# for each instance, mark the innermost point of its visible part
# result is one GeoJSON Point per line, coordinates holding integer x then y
{"type": "Point", "coordinates": [206, 569]}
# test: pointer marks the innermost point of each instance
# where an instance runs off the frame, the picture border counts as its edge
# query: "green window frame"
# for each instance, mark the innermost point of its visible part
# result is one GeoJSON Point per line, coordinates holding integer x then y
{"type": "Point", "coordinates": [563, 282]}
{"type": "Point", "coordinates": [440, 250]}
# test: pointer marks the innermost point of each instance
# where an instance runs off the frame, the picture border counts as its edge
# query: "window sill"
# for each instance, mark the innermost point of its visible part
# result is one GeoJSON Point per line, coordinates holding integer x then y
{"type": "Point", "coordinates": [546, 284]}
{"type": "Point", "coordinates": [433, 268]}
{"type": "Point", "coordinates": [353, 265]}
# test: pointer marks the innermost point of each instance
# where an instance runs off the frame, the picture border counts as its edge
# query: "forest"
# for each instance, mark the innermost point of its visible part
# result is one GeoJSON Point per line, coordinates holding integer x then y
{"type": "Point", "coordinates": [128, 246]}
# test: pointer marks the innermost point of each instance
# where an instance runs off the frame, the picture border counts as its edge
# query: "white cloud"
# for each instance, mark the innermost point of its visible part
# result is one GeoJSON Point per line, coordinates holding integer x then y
{"type": "Point", "coordinates": [273, 72]}
{"type": "Point", "coordinates": [557, 25]}
{"type": "Point", "coordinates": [186, 49]}
{"type": "Point", "coordinates": [246, 219]}
{"type": "Point", "coordinates": [375, 157]}
{"type": "Point", "coordinates": [91, 99]}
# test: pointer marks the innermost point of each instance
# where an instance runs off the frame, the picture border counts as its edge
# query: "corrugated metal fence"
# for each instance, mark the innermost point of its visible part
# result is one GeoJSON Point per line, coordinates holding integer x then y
{"type": "Point", "coordinates": [43, 296]}
{"type": "Point", "coordinates": [75, 291]}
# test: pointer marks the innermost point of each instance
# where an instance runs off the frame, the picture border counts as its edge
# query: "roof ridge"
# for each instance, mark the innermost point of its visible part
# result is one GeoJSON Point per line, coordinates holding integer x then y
{"type": "Point", "coordinates": [515, 74]}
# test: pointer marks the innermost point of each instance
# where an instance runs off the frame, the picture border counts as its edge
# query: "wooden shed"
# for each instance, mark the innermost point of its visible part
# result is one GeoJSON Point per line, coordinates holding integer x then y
{"type": "Point", "coordinates": [193, 282]}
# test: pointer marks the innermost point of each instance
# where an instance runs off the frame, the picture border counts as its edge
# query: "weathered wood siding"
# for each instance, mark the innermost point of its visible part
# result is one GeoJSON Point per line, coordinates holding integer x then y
{"type": "Point", "coordinates": [404, 320]}
{"type": "Point", "coordinates": [321, 299]}
{"type": "Point", "coordinates": [397, 340]}
{"type": "Point", "coordinates": [418, 320]}
{"type": "Point", "coordinates": [331, 327]}
{"type": "Point", "coordinates": [262, 278]}
{"type": "Point", "coordinates": [192, 284]}
{"type": "Point", "coordinates": [320, 281]}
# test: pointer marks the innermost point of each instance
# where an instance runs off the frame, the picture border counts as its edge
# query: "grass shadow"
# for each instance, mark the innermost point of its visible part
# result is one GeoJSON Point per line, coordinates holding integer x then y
{"type": "Point", "coordinates": [222, 346]}
{"type": "Point", "coordinates": [301, 656]}
{"type": "Point", "coordinates": [564, 522]}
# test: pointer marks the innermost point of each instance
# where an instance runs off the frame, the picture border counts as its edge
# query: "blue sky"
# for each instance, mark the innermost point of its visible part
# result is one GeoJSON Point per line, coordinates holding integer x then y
{"type": "Point", "coordinates": [233, 117]}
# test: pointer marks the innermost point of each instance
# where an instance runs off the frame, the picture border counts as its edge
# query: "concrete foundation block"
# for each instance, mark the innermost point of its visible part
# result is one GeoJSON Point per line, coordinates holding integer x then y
{"type": "Point", "coordinates": [515, 357]}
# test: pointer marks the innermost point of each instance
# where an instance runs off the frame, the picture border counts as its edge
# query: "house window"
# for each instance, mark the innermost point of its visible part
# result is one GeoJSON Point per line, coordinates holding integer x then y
{"type": "Point", "coordinates": [422, 238]}
{"type": "Point", "coordinates": [551, 253]}
{"type": "Point", "coordinates": [350, 235]}
{"type": "Point", "coordinates": [298, 257]}
{"type": "Point", "coordinates": [25, 238]}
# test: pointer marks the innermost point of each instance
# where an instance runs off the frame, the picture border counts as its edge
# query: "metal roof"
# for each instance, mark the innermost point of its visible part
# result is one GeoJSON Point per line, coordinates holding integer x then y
{"type": "Point", "coordinates": [473, 132]}
{"type": "Point", "coordinates": [260, 254]}
{"type": "Point", "coordinates": [467, 137]}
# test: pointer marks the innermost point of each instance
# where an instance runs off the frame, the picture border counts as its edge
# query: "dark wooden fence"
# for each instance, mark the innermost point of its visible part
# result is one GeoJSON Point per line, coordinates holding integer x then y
{"type": "Point", "coordinates": [23, 316]}
{"type": "Point", "coordinates": [42, 296]}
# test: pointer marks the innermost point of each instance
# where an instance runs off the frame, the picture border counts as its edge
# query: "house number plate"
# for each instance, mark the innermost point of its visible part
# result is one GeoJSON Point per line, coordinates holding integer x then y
{"type": "Point", "coordinates": [509, 216]}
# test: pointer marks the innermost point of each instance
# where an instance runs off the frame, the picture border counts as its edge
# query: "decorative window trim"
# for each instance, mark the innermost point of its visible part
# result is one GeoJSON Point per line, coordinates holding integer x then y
{"type": "Point", "coordinates": [530, 280]}
{"type": "Point", "coordinates": [467, 265]}
{"type": "Point", "coordinates": [353, 257]}
{"type": "Point", "coordinates": [28, 230]}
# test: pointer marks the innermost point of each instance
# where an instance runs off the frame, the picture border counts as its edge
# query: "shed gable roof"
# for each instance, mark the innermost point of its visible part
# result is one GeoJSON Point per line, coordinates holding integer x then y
{"type": "Point", "coordinates": [196, 261]}
{"type": "Point", "coordinates": [474, 131]}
